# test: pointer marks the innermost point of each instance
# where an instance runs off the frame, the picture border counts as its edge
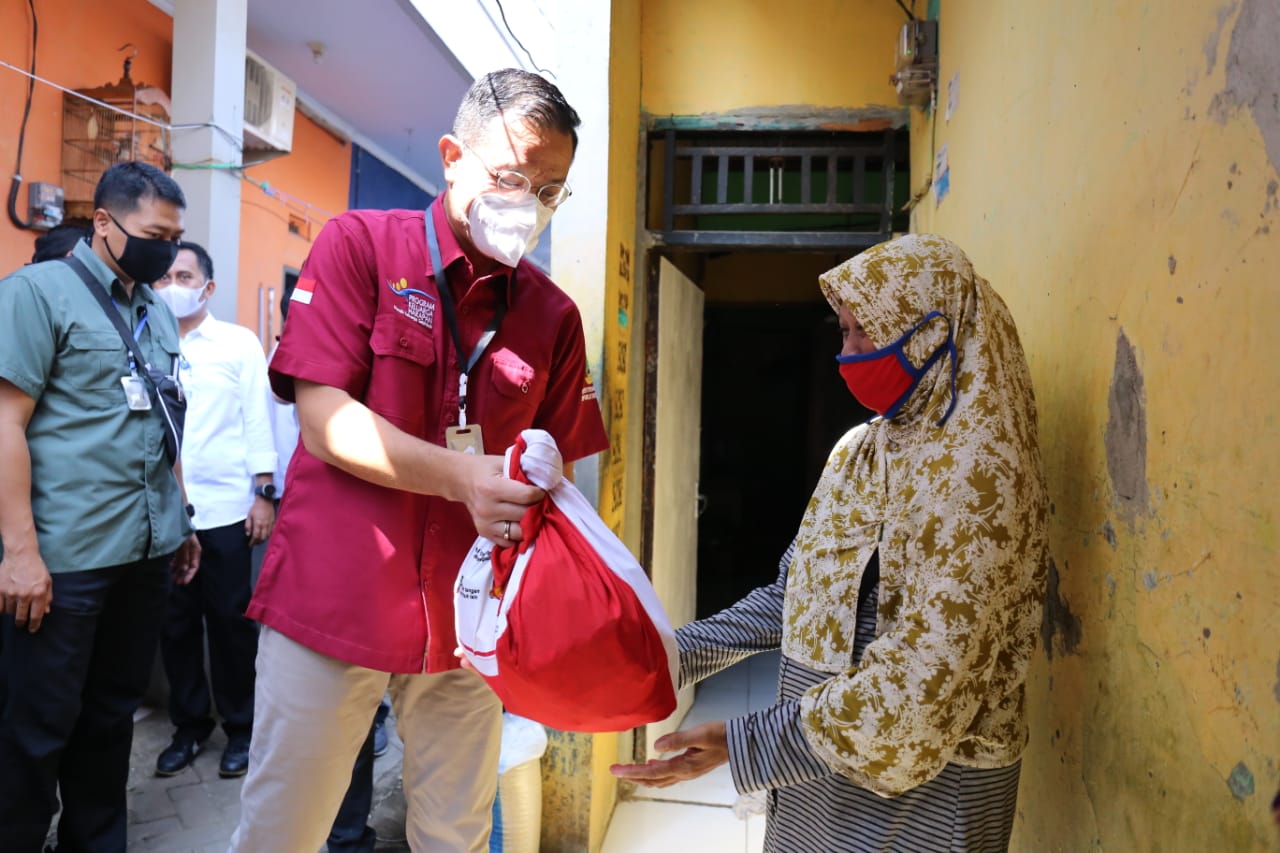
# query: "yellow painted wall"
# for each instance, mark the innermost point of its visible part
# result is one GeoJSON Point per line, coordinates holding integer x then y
{"type": "Point", "coordinates": [621, 362]}
{"type": "Point", "coordinates": [620, 331]}
{"type": "Point", "coordinates": [728, 55]}
{"type": "Point", "coordinates": [1114, 174]}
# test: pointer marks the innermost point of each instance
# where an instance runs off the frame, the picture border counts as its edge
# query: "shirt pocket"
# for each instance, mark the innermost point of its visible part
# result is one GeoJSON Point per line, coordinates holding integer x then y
{"type": "Point", "coordinates": [166, 357]}
{"type": "Point", "coordinates": [518, 383]}
{"type": "Point", "coordinates": [163, 351]}
{"type": "Point", "coordinates": [402, 376]}
{"type": "Point", "coordinates": [91, 364]}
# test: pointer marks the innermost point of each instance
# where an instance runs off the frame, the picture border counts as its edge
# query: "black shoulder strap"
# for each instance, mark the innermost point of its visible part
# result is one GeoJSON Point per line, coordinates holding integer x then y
{"type": "Point", "coordinates": [105, 301]}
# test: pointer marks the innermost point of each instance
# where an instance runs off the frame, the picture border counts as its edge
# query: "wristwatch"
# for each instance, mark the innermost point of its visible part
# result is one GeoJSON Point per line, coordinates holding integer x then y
{"type": "Point", "coordinates": [266, 490]}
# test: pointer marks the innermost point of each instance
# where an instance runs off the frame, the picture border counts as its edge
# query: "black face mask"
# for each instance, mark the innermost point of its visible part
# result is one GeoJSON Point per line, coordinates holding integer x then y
{"type": "Point", "coordinates": [143, 259]}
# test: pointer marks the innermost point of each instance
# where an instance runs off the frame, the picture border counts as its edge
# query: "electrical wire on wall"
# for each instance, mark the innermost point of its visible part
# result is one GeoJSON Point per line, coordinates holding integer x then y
{"type": "Point", "coordinates": [931, 113]}
{"type": "Point", "coordinates": [221, 131]}
{"type": "Point", "coordinates": [22, 132]}
{"type": "Point", "coordinates": [292, 203]}
{"type": "Point", "coordinates": [33, 78]}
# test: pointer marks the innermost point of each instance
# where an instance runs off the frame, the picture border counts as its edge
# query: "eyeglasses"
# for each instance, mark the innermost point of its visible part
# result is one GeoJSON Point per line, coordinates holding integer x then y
{"type": "Point", "coordinates": [511, 181]}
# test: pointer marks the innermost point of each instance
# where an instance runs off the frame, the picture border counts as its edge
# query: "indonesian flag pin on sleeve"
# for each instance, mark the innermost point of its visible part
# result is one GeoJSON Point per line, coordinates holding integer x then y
{"type": "Point", "coordinates": [465, 439]}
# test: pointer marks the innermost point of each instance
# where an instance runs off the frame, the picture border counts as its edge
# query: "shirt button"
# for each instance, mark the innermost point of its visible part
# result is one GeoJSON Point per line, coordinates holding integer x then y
{"type": "Point", "coordinates": [433, 528]}
{"type": "Point", "coordinates": [404, 342]}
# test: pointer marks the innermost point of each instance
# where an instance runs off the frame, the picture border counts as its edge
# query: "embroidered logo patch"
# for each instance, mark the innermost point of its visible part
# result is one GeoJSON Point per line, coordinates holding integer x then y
{"type": "Point", "coordinates": [588, 388]}
{"type": "Point", "coordinates": [419, 306]}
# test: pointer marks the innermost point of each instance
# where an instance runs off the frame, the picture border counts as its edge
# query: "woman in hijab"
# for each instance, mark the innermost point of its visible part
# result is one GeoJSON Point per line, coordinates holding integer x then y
{"type": "Point", "coordinates": [908, 605]}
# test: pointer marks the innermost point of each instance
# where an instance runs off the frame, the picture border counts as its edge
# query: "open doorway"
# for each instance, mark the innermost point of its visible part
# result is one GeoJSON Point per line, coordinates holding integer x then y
{"type": "Point", "coordinates": [742, 403]}
{"type": "Point", "coordinates": [742, 399]}
{"type": "Point", "coordinates": [773, 404]}
{"type": "Point", "coordinates": [750, 216]}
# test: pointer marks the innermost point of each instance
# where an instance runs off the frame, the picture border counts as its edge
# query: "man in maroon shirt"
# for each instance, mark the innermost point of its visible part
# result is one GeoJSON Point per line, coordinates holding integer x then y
{"type": "Point", "coordinates": [418, 347]}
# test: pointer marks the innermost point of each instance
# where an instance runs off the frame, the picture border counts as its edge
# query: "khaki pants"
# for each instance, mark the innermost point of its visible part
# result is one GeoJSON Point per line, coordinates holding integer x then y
{"type": "Point", "coordinates": [311, 715]}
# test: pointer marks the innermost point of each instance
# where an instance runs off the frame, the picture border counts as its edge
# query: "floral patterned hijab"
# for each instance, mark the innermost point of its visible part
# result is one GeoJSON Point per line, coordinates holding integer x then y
{"type": "Point", "coordinates": [958, 514]}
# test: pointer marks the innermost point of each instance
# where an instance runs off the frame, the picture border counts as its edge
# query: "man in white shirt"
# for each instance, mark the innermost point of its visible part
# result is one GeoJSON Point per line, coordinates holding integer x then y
{"type": "Point", "coordinates": [229, 463]}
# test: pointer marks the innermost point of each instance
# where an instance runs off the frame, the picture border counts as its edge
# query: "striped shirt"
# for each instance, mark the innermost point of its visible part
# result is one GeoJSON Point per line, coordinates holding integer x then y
{"type": "Point", "coordinates": [811, 807]}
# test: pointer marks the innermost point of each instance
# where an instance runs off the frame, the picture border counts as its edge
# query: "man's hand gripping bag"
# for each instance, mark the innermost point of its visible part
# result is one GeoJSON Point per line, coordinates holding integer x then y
{"type": "Point", "coordinates": [564, 626]}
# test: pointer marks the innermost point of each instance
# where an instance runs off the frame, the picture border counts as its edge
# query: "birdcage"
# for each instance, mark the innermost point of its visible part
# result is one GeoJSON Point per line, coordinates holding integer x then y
{"type": "Point", "coordinates": [95, 137]}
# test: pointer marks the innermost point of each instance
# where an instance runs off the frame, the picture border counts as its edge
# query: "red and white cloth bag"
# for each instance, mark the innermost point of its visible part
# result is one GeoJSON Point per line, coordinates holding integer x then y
{"type": "Point", "coordinates": [565, 626]}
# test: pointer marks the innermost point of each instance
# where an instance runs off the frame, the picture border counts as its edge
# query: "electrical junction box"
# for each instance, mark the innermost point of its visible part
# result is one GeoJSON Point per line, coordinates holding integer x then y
{"type": "Point", "coordinates": [916, 64]}
{"type": "Point", "coordinates": [44, 205]}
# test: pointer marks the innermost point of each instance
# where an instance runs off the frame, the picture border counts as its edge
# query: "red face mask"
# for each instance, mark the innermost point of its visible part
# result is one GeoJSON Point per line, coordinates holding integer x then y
{"type": "Point", "coordinates": [883, 380]}
{"type": "Point", "coordinates": [877, 380]}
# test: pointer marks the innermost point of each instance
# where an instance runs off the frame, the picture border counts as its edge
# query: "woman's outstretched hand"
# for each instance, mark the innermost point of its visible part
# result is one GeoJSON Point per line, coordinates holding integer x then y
{"type": "Point", "coordinates": [705, 747]}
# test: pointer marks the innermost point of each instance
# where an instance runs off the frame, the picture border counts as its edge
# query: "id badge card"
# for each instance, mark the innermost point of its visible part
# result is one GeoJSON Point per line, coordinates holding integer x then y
{"type": "Point", "coordinates": [135, 393]}
{"type": "Point", "coordinates": [465, 439]}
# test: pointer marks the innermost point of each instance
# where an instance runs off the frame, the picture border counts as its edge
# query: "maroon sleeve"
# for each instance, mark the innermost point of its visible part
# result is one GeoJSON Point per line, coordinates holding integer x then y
{"type": "Point", "coordinates": [570, 410]}
{"type": "Point", "coordinates": [326, 337]}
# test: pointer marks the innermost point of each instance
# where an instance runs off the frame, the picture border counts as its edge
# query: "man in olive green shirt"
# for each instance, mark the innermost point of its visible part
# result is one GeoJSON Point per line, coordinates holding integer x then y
{"type": "Point", "coordinates": [91, 514]}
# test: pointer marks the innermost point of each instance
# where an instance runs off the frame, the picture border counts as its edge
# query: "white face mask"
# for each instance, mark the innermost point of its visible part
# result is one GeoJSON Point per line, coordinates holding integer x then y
{"type": "Point", "coordinates": [182, 301]}
{"type": "Point", "coordinates": [506, 228]}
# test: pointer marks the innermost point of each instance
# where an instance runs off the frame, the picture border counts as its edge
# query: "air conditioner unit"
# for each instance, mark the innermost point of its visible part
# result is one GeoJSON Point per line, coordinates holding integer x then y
{"type": "Point", "coordinates": [269, 100]}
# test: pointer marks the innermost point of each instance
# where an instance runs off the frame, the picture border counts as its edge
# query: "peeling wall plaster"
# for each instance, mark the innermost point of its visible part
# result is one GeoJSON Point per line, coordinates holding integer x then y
{"type": "Point", "coordinates": [1253, 69]}
{"type": "Point", "coordinates": [1126, 436]}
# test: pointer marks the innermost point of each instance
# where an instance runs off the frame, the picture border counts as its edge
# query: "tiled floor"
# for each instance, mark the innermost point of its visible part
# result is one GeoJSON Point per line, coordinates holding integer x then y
{"type": "Point", "coordinates": [698, 815]}
{"type": "Point", "coordinates": [196, 811]}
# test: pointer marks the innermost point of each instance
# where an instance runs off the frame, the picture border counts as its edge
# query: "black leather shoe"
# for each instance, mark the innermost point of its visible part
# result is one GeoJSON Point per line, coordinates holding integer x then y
{"type": "Point", "coordinates": [178, 755]}
{"type": "Point", "coordinates": [235, 758]}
